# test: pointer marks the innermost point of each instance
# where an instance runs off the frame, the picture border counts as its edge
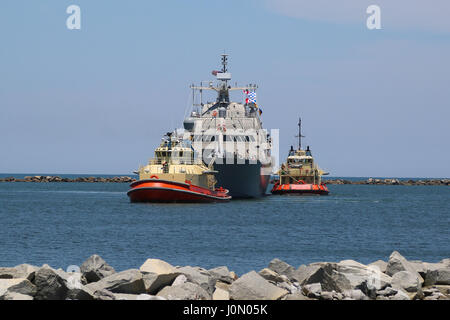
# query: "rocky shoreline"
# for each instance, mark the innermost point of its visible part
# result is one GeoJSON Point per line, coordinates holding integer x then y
{"type": "Point", "coordinates": [127, 179]}
{"type": "Point", "coordinates": [395, 279]}
{"type": "Point", "coordinates": [118, 179]}
{"type": "Point", "coordinates": [392, 181]}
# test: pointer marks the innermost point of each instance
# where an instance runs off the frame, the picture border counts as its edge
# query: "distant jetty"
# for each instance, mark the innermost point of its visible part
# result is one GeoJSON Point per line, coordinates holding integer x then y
{"type": "Point", "coordinates": [395, 279]}
{"type": "Point", "coordinates": [118, 179]}
{"type": "Point", "coordinates": [127, 179]}
{"type": "Point", "coordinates": [392, 181]}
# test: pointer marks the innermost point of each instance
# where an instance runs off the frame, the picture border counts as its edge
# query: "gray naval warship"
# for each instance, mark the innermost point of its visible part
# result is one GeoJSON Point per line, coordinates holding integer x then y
{"type": "Point", "coordinates": [229, 136]}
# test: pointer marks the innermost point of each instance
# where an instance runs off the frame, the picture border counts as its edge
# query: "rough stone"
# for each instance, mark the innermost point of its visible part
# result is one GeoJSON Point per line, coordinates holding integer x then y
{"type": "Point", "coordinates": [281, 267]}
{"type": "Point", "coordinates": [406, 280]}
{"type": "Point", "coordinates": [400, 295]}
{"type": "Point", "coordinates": [128, 281]}
{"type": "Point", "coordinates": [221, 274]}
{"type": "Point", "coordinates": [26, 271]}
{"type": "Point", "coordinates": [398, 263]}
{"type": "Point", "coordinates": [221, 294]}
{"type": "Point", "coordinates": [157, 266]}
{"type": "Point", "coordinates": [95, 269]}
{"type": "Point", "coordinates": [304, 272]}
{"type": "Point", "coordinates": [389, 291]}
{"type": "Point", "coordinates": [360, 276]}
{"type": "Point", "coordinates": [440, 276]}
{"type": "Point", "coordinates": [97, 292]}
{"type": "Point", "coordinates": [270, 275]}
{"type": "Point", "coordinates": [17, 285]}
{"type": "Point", "coordinates": [50, 285]}
{"type": "Point", "coordinates": [355, 294]}
{"type": "Point", "coordinates": [251, 286]}
{"type": "Point", "coordinates": [348, 275]}
{"type": "Point", "coordinates": [380, 264]}
{"type": "Point", "coordinates": [179, 280]}
{"type": "Point", "coordinates": [325, 295]}
{"type": "Point", "coordinates": [185, 291]}
{"type": "Point", "coordinates": [199, 276]}
{"type": "Point", "coordinates": [313, 290]}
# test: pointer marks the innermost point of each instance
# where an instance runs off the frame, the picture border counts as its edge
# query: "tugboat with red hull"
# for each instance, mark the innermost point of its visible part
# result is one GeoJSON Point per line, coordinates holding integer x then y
{"type": "Point", "coordinates": [300, 175]}
{"type": "Point", "coordinates": [174, 176]}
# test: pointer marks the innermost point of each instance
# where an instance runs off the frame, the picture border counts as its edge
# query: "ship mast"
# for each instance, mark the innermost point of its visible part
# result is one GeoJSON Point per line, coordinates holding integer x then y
{"type": "Point", "coordinates": [224, 96]}
{"type": "Point", "coordinates": [300, 134]}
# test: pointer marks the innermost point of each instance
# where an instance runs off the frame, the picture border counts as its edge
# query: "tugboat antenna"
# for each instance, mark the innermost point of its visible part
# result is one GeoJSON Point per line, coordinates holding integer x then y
{"type": "Point", "coordinates": [300, 133]}
{"type": "Point", "coordinates": [224, 62]}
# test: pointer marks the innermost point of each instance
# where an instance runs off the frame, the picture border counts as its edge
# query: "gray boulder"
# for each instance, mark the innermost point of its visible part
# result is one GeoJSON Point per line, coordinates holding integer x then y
{"type": "Point", "coordinates": [95, 269]}
{"type": "Point", "coordinates": [251, 286]}
{"type": "Point", "coordinates": [313, 290]}
{"type": "Point", "coordinates": [179, 280]}
{"type": "Point", "coordinates": [50, 285]}
{"type": "Point", "coordinates": [185, 291]}
{"type": "Point", "coordinates": [398, 263]}
{"type": "Point", "coordinates": [355, 294]}
{"type": "Point", "coordinates": [304, 272]}
{"type": "Point", "coordinates": [440, 276]}
{"type": "Point", "coordinates": [96, 292]}
{"type": "Point", "coordinates": [199, 276]}
{"type": "Point", "coordinates": [424, 267]}
{"type": "Point", "coordinates": [406, 280]}
{"type": "Point", "coordinates": [128, 281]}
{"type": "Point", "coordinates": [74, 283]}
{"type": "Point", "coordinates": [18, 285]}
{"type": "Point", "coordinates": [270, 275]}
{"type": "Point", "coordinates": [348, 275]}
{"type": "Point", "coordinates": [221, 274]}
{"type": "Point", "coordinates": [157, 274]}
{"type": "Point", "coordinates": [21, 271]}
{"type": "Point", "coordinates": [8, 273]}
{"type": "Point", "coordinates": [380, 264]}
{"type": "Point", "coordinates": [281, 267]}
{"type": "Point", "coordinates": [389, 291]}
{"type": "Point", "coordinates": [221, 294]}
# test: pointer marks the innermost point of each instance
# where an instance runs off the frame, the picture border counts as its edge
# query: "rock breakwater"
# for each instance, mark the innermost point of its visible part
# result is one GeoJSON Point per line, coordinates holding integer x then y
{"type": "Point", "coordinates": [118, 179]}
{"type": "Point", "coordinates": [127, 179]}
{"type": "Point", "coordinates": [395, 279]}
{"type": "Point", "coordinates": [391, 181]}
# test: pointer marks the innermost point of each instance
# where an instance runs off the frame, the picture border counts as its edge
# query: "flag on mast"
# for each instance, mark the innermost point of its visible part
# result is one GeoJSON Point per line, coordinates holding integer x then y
{"type": "Point", "coordinates": [251, 98]}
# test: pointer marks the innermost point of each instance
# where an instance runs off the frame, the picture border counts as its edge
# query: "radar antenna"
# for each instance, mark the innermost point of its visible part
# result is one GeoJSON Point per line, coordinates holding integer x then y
{"type": "Point", "coordinates": [224, 62]}
{"type": "Point", "coordinates": [299, 136]}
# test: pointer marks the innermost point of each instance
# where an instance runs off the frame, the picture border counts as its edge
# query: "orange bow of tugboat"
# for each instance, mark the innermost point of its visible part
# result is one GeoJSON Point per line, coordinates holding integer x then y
{"type": "Point", "coordinates": [175, 176]}
{"type": "Point", "coordinates": [299, 188]}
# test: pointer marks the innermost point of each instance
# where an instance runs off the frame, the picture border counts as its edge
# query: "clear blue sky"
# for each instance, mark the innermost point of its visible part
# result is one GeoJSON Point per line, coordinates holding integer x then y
{"type": "Point", "coordinates": [97, 100]}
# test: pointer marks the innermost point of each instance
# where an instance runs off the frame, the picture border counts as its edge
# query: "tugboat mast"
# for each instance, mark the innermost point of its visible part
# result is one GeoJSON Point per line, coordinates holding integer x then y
{"type": "Point", "coordinates": [300, 134]}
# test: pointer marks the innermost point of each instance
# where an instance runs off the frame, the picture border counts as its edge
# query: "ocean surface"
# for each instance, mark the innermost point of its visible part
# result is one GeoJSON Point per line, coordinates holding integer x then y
{"type": "Point", "coordinates": [62, 224]}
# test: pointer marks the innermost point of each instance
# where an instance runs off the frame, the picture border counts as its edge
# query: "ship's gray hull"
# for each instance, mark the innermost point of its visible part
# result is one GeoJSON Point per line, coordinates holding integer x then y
{"type": "Point", "coordinates": [242, 180]}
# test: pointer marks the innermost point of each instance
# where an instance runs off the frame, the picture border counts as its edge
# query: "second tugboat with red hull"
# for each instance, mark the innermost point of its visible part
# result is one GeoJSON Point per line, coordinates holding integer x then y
{"type": "Point", "coordinates": [174, 176]}
{"type": "Point", "coordinates": [300, 175]}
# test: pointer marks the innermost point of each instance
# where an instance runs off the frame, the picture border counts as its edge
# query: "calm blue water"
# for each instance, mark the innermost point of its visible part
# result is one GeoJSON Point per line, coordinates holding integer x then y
{"type": "Point", "coordinates": [64, 223]}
